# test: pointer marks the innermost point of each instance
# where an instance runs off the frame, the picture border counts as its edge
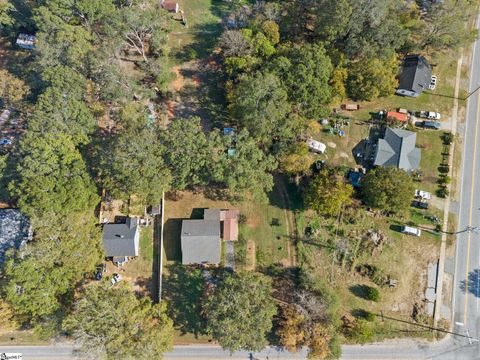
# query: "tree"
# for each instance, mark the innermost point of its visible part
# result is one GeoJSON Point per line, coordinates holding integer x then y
{"type": "Point", "coordinates": [91, 11]}
{"type": "Point", "coordinates": [247, 170]}
{"type": "Point", "coordinates": [186, 152]}
{"type": "Point", "coordinates": [132, 163]}
{"type": "Point", "coordinates": [444, 25]}
{"type": "Point", "coordinates": [388, 189]}
{"type": "Point", "coordinates": [373, 78]}
{"type": "Point", "coordinates": [12, 89]}
{"type": "Point", "coordinates": [40, 278]}
{"type": "Point", "coordinates": [260, 103]}
{"type": "Point", "coordinates": [272, 31]}
{"type": "Point", "coordinates": [297, 160]}
{"type": "Point", "coordinates": [327, 194]}
{"type": "Point", "coordinates": [307, 79]}
{"type": "Point", "coordinates": [111, 322]}
{"type": "Point", "coordinates": [52, 177]}
{"type": "Point", "coordinates": [239, 312]}
{"type": "Point", "coordinates": [291, 329]}
{"type": "Point", "coordinates": [142, 30]}
{"type": "Point", "coordinates": [6, 7]}
{"type": "Point", "coordinates": [235, 43]}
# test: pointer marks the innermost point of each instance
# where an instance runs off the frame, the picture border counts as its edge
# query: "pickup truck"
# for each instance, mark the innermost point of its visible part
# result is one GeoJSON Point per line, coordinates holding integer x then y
{"type": "Point", "coordinates": [429, 115]}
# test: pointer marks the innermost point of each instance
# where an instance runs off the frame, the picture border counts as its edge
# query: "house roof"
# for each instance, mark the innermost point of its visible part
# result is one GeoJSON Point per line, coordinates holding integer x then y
{"type": "Point", "coordinates": [230, 230]}
{"type": "Point", "coordinates": [416, 74]}
{"type": "Point", "coordinates": [200, 241]}
{"type": "Point", "coordinates": [211, 214]}
{"type": "Point", "coordinates": [120, 239]}
{"type": "Point", "coordinates": [397, 148]}
{"type": "Point", "coordinates": [170, 5]}
{"type": "Point", "coordinates": [15, 230]}
{"type": "Point", "coordinates": [397, 116]}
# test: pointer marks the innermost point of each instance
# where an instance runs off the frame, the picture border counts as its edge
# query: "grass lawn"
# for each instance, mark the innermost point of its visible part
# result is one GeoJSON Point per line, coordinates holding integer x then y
{"type": "Point", "coordinates": [21, 337]}
{"type": "Point", "coordinates": [431, 146]}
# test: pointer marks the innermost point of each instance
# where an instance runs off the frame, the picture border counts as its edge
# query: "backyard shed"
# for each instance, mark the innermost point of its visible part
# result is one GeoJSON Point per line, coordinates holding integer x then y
{"type": "Point", "coordinates": [316, 146]}
{"type": "Point", "coordinates": [26, 41]}
{"type": "Point", "coordinates": [397, 116]}
{"type": "Point", "coordinates": [15, 230]}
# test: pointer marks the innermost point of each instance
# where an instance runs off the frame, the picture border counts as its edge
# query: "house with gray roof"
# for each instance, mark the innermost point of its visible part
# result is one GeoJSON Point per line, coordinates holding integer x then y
{"type": "Point", "coordinates": [201, 241]}
{"type": "Point", "coordinates": [15, 231]}
{"type": "Point", "coordinates": [121, 241]}
{"type": "Point", "coordinates": [415, 77]}
{"type": "Point", "coordinates": [397, 148]}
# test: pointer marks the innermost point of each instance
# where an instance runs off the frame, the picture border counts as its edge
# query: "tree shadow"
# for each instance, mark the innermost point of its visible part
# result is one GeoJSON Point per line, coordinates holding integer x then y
{"type": "Point", "coordinates": [472, 283]}
{"type": "Point", "coordinates": [171, 239]}
{"type": "Point", "coordinates": [183, 288]}
{"type": "Point", "coordinates": [360, 291]}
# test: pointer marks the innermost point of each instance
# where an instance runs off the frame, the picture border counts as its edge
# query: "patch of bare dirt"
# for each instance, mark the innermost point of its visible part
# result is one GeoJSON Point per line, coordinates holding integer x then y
{"type": "Point", "coordinates": [251, 257]}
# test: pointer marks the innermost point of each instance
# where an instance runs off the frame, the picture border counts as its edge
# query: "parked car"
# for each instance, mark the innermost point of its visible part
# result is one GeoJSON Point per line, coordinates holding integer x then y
{"type": "Point", "coordinates": [99, 271]}
{"type": "Point", "coordinates": [410, 231]}
{"type": "Point", "coordinates": [429, 115]}
{"type": "Point", "coordinates": [423, 194]}
{"type": "Point", "coordinates": [420, 204]}
{"type": "Point", "coordinates": [433, 82]}
{"type": "Point", "coordinates": [115, 278]}
{"type": "Point", "coordinates": [427, 124]}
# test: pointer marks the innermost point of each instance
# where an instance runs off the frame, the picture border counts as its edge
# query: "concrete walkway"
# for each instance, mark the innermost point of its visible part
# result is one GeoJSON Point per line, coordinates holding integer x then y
{"type": "Point", "coordinates": [446, 211]}
{"type": "Point", "coordinates": [229, 255]}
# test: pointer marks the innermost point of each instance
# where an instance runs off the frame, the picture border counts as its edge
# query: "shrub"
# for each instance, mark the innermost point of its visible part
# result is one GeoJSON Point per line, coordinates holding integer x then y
{"type": "Point", "coordinates": [372, 294]}
{"type": "Point", "coordinates": [442, 192]}
{"type": "Point", "coordinates": [447, 138]}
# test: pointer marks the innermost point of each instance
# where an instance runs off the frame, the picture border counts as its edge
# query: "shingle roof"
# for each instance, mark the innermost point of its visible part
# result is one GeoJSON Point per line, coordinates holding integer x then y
{"type": "Point", "coordinates": [121, 239]}
{"type": "Point", "coordinates": [416, 74]}
{"type": "Point", "coordinates": [15, 230]}
{"type": "Point", "coordinates": [200, 241]}
{"type": "Point", "coordinates": [398, 149]}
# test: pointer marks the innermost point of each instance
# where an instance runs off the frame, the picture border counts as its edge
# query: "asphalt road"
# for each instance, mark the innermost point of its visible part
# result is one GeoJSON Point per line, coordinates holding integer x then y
{"type": "Point", "coordinates": [466, 297]}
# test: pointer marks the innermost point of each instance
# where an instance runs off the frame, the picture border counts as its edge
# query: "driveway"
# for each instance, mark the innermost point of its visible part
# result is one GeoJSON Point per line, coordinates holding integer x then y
{"type": "Point", "coordinates": [229, 255]}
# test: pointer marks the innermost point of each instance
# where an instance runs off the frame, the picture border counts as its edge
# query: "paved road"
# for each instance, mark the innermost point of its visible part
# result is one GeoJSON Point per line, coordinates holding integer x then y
{"type": "Point", "coordinates": [466, 299]}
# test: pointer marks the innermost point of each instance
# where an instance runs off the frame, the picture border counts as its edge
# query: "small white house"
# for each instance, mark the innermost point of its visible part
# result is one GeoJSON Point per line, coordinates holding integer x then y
{"type": "Point", "coordinates": [316, 146]}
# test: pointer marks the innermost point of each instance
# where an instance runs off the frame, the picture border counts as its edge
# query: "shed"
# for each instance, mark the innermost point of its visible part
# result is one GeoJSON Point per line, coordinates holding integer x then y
{"type": "Point", "coordinates": [15, 231]}
{"type": "Point", "coordinates": [316, 146]}
{"type": "Point", "coordinates": [397, 116]}
{"type": "Point", "coordinates": [171, 6]}
{"type": "Point", "coordinates": [350, 107]}
{"type": "Point", "coordinates": [26, 41]}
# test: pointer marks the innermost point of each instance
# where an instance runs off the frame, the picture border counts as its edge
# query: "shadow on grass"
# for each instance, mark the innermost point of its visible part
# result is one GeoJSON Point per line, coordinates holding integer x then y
{"type": "Point", "coordinates": [360, 291]}
{"type": "Point", "coordinates": [171, 239]}
{"type": "Point", "coordinates": [183, 289]}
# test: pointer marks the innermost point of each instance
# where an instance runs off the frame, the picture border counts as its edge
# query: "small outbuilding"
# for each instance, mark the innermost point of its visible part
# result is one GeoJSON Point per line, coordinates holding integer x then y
{"type": "Point", "coordinates": [26, 41]}
{"type": "Point", "coordinates": [415, 76]}
{"type": "Point", "coordinates": [171, 6]}
{"type": "Point", "coordinates": [15, 231]}
{"type": "Point", "coordinates": [316, 146]}
{"type": "Point", "coordinates": [398, 116]}
{"type": "Point", "coordinates": [121, 241]}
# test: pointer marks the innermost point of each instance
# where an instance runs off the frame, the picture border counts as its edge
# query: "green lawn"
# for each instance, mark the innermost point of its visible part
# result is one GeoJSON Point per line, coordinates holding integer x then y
{"type": "Point", "coordinates": [431, 146]}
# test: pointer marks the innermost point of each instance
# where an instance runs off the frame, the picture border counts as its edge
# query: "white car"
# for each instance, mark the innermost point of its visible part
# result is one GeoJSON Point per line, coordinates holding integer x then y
{"type": "Point", "coordinates": [433, 115]}
{"type": "Point", "coordinates": [115, 279]}
{"type": "Point", "coordinates": [433, 82]}
{"type": "Point", "coordinates": [423, 194]}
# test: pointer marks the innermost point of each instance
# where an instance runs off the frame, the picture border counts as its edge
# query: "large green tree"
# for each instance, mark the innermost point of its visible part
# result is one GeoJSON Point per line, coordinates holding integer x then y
{"type": "Point", "coordinates": [187, 152]}
{"type": "Point", "coordinates": [307, 79]}
{"type": "Point", "coordinates": [131, 163]}
{"type": "Point", "coordinates": [260, 104]}
{"type": "Point", "coordinates": [39, 279]}
{"type": "Point", "coordinates": [52, 177]}
{"type": "Point", "coordinates": [239, 312]}
{"type": "Point", "coordinates": [328, 194]}
{"type": "Point", "coordinates": [370, 79]}
{"type": "Point", "coordinates": [388, 188]}
{"type": "Point", "coordinates": [110, 322]}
